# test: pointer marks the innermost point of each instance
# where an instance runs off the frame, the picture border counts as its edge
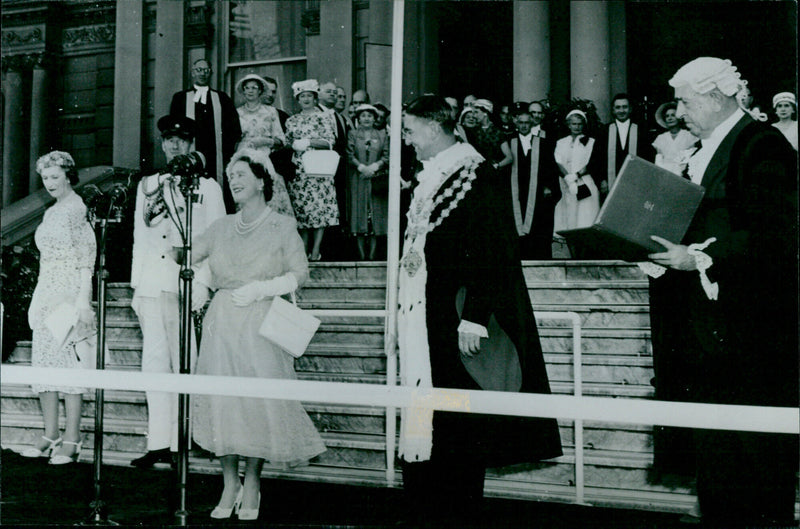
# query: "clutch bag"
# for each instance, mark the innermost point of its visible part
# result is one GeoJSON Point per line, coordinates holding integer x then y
{"type": "Point", "coordinates": [288, 326]}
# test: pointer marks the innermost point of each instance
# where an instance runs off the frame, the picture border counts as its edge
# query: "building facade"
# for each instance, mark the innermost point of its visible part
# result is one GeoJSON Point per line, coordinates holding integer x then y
{"type": "Point", "coordinates": [91, 78]}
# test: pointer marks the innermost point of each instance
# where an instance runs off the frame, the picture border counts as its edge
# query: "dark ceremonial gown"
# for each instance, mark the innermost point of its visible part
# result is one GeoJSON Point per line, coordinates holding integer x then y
{"type": "Point", "coordinates": [743, 347]}
{"type": "Point", "coordinates": [205, 137]}
{"type": "Point", "coordinates": [475, 248]}
{"type": "Point", "coordinates": [644, 148]}
{"type": "Point", "coordinates": [538, 243]}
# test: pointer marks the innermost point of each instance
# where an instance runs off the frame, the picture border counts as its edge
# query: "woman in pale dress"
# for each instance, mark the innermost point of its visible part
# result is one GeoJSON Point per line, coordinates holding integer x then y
{"type": "Point", "coordinates": [674, 146]}
{"type": "Point", "coordinates": [368, 155]}
{"type": "Point", "coordinates": [785, 106]}
{"type": "Point", "coordinates": [262, 131]}
{"type": "Point", "coordinates": [67, 247]}
{"type": "Point", "coordinates": [313, 197]}
{"type": "Point", "coordinates": [575, 158]}
{"type": "Point", "coordinates": [253, 255]}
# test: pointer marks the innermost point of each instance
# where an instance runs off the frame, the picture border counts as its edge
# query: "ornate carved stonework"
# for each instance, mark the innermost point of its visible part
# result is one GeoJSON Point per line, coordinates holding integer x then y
{"type": "Point", "coordinates": [27, 61]}
{"type": "Point", "coordinates": [23, 36]}
{"type": "Point", "coordinates": [86, 35]}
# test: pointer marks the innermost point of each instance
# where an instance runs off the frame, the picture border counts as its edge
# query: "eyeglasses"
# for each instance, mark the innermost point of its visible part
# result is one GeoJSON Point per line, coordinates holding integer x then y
{"type": "Point", "coordinates": [201, 70]}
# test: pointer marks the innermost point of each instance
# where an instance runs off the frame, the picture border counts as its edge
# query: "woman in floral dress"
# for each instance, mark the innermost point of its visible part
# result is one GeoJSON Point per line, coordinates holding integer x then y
{"type": "Point", "coordinates": [261, 130]}
{"type": "Point", "coordinates": [368, 155]}
{"type": "Point", "coordinates": [253, 255]}
{"type": "Point", "coordinates": [67, 247]}
{"type": "Point", "coordinates": [313, 197]}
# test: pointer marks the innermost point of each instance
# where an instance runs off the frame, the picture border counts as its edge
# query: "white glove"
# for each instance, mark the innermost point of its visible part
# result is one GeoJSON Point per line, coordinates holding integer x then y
{"type": "Point", "coordinates": [257, 290]}
{"type": "Point", "coordinates": [572, 183]}
{"type": "Point", "coordinates": [301, 144]}
{"type": "Point", "coordinates": [200, 295]}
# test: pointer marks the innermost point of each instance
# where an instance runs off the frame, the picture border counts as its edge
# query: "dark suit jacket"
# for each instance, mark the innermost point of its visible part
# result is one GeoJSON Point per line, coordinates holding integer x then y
{"type": "Point", "coordinates": [205, 141]}
{"type": "Point", "coordinates": [644, 149]}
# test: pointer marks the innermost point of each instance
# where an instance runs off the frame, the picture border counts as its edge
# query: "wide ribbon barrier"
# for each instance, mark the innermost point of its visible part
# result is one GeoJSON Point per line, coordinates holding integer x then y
{"type": "Point", "coordinates": [634, 411]}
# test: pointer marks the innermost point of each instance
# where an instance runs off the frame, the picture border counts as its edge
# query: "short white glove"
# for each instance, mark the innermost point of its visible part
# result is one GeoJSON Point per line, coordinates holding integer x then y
{"type": "Point", "coordinates": [301, 144]}
{"type": "Point", "coordinates": [200, 295]}
{"type": "Point", "coordinates": [257, 290]}
{"type": "Point", "coordinates": [572, 183]}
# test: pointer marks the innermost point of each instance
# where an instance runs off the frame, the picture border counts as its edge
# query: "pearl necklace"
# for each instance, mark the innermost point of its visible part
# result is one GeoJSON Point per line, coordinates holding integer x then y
{"type": "Point", "coordinates": [243, 228]}
{"type": "Point", "coordinates": [247, 107]}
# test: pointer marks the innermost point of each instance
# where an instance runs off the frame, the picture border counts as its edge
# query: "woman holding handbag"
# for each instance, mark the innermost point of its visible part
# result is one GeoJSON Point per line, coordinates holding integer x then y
{"type": "Point", "coordinates": [313, 195]}
{"type": "Point", "coordinates": [253, 256]}
{"type": "Point", "coordinates": [368, 155]}
{"type": "Point", "coordinates": [68, 249]}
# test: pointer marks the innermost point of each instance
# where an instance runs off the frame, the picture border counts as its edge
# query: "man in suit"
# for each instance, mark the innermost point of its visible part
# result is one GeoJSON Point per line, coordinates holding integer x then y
{"type": "Point", "coordinates": [534, 187]}
{"type": "Point", "coordinates": [460, 280]}
{"type": "Point", "coordinates": [335, 246]}
{"type": "Point", "coordinates": [217, 124]}
{"type": "Point", "coordinates": [622, 137]}
{"type": "Point", "coordinates": [737, 273]}
{"type": "Point", "coordinates": [154, 278]}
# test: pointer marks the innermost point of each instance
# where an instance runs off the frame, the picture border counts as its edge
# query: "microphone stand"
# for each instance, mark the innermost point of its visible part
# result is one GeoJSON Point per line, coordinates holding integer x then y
{"type": "Point", "coordinates": [99, 513]}
{"type": "Point", "coordinates": [189, 187]}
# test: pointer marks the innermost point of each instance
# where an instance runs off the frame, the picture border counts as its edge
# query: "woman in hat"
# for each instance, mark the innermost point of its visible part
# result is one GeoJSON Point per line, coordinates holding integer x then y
{"type": "Point", "coordinates": [674, 146]}
{"type": "Point", "coordinates": [576, 160]}
{"type": "Point", "coordinates": [368, 155]}
{"type": "Point", "coordinates": [253, 256]}
{"type": "Point", "coordinates": [313, 197]}
{"type": "Point", "coordinates": [785, 106]}
{"type": "Point", "coordinates": [261, 130]}
{"type": "Point", "coordinates": [489, 139]}
{"type": "Point", "coordinates": [67, 248]}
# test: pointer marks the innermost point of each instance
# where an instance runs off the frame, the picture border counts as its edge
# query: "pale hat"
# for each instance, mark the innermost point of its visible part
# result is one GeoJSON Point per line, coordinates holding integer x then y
{"type": "Point", "coordinates": [468, 108]}
{"type": "Point", "coordinates": [662, 109]}
{"type": "Point", "coordinates": [705, 73]}
{"type": "Point", "coordinates": [576, 112]}
{"type": "Point", "coordinates": [251, 77]}
{"type": "Point", "coordinates": [784, 97]}
{"type": "Point", "coordinates": [309, 85]}
{"type": "Point", "coordinates": [484, 104]}
{"type": "Point", "coordinates": [366, 106]}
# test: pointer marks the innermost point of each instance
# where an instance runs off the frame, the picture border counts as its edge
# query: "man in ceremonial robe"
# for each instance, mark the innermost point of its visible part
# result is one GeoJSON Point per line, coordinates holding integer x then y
{"type": "Point", "coordinates": [218, 129]}
{"type": "Point", "coordinates": [534, 187]}
{"type": "Point", "coordinates": [465, 321]}
{"type": "Point", "coordinates": [736, 270]}
{"type": "Point", "coordinates": [621, 138]}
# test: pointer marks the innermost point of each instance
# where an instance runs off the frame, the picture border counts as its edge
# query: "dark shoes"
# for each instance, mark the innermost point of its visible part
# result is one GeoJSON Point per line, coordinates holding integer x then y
{"type": "Point", "coordinates": [152, 457]}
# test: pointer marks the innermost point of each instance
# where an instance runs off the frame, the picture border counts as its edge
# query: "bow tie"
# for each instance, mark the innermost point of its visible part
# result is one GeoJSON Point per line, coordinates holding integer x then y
{"type": "Point", "coordinates": [200, 94]}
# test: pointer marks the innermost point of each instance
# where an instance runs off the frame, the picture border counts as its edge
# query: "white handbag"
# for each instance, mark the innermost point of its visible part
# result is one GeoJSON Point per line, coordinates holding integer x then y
{"type": "Point", "coordinates": [320, 162]}
{"type": "Point", "coordinates": [288, 326]}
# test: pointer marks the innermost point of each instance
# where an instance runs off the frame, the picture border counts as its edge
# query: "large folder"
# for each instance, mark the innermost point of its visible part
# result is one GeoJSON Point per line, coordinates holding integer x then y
{"type": "Point", "coordinates": [645, 200]}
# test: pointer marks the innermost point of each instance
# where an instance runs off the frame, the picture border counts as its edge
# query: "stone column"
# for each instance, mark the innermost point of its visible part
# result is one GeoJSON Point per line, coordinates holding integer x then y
{"type": "Point", "coordinates": [128, 70]}
{"type": "Point", "coordinates": [618, 46]}
{"type": "Point", "coordinates": [589, 53]}
{"type": "Point", "coordinates": [15, 159]}
{"type": "Point", "coordinates": [531, 50]}
{"type": "Point", "coordinates": [39, 113]}
{"type": "Point", "coordinates": [170, 68]}
{"type": "Point", "coordinates": [335, 62]}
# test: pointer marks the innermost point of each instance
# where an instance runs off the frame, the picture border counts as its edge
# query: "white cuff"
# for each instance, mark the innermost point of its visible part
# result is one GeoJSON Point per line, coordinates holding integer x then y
{"type": "Point", "coordinates": [651, 269]}
{"type": "Point", "coordinates": [473, 328]}
{"type": "Point", "coordinates": [704, 262]}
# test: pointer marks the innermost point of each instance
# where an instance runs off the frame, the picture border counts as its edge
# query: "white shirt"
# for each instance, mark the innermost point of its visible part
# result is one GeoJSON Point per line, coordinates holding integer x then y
{"type": "Point", "coordinates": [622, 131]}
{"type": "Point", "coordinates": [698, 163]}
{"type": "Point", "coordinates": [525, 141]}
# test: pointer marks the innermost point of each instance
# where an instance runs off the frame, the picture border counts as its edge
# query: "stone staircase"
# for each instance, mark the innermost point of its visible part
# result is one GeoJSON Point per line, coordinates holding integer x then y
{"type": "Point", "coordinates": [610, 297]}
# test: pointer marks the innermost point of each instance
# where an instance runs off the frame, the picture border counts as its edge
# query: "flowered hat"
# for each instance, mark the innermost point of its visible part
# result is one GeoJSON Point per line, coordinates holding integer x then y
{"type": "Point", "coordinates": [309, 85]}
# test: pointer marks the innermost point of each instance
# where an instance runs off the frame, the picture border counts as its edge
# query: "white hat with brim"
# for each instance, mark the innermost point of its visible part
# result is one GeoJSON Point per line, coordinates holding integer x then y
{"type": "Point", "coordinates": [309, 85]}
{"type": "Point", "coordinates": [784, 97]}
{"type": "Point", "coordinates": [662, 109]}
{"type": "Point", "coordinates": [366, 107]}
{"type": "Point", "coordinates": [484, 104]}
{"type": "Point", "coordinates": [251, 77]}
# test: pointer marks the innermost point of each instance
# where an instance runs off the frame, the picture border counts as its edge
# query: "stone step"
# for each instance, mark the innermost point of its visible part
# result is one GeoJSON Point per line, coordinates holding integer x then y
{"type": "Point", "coordinates": [18, 401]}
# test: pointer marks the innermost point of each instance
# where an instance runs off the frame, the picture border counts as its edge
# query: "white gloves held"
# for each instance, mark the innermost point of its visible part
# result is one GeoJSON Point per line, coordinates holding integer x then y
{"type": "Point", "coordinates": [258, 290]}
{"type": "Point", "coordinates": [301, 144]}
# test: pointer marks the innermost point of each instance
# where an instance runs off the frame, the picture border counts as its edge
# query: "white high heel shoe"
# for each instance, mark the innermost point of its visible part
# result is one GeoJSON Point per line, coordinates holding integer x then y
{"type": "Point", "coordinates": [61, 459]}
{"type": "Point", "coordinates": [250, 514]}
{"type": "Point", "coordinates": [225, 512]}
{"type": "Point", "coordinates": [32, 451]}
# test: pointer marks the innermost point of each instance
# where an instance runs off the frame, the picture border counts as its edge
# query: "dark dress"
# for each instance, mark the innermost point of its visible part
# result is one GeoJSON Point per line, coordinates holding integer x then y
{"type": "Point", "coordinates": [743, 347]}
